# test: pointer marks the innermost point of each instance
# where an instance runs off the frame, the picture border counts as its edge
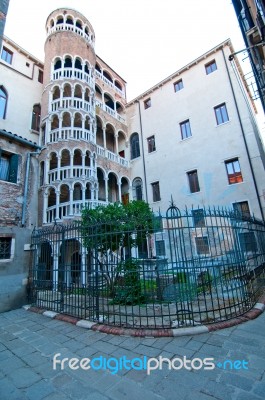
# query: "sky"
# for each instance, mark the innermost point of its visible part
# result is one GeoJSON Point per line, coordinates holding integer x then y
{"type": "Point", "coordinates": [144, 41]}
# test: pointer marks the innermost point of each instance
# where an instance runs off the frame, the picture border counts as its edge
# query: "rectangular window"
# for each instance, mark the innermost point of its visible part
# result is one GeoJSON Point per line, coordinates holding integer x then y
{"type": "Point", "coordinates": [221, 114]}
{"type": "Point", "coordinates": [160, 248]}
{"type": "Point", "coordinates": [147, 103]}
{"type": "Point", "coordinates": [210, 67]}
{"type": "Point", "coordinates": [185, 129]}
{"type": "Point", "coordinates": [5, 248]}
{"type": "Point", "coordinates": [151, 144]}
{"type": "Point", "coordinates": [193, 181]}
{"type": "Point", "coordinates": [8, 167]}
{"type": "Point", "coordinates": [233, 171]}
{"type": "Point", "coordinates": [156, 191]}
{"type": "Point", "coordinates": [202, 245]}
{"type": "Point", "coordinates": [178, 85]}
{"type": "Point", "coordinates": [40, 76]}
{"type": "Point", "coordinates": [7, 55]}
{"type": "Point", "coordinates": [242, 209]}
{"type": "Point", "coordinates": [248, 242]}
{"type": "Point", "coordinates": [198, 218]}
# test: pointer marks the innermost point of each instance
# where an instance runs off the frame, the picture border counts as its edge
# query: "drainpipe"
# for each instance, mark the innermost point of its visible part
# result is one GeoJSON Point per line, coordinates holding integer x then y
{"type": "Point", "coordinates": [244, 139]}
{"type": "Point", "coordinates": [26, 186]}
{"type": "Point", "coordinates": [142, 141]}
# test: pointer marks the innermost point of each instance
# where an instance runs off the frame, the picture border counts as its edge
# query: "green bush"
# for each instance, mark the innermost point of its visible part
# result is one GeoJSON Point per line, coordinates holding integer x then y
{"type": "Point", "coordinates": [129, 289]}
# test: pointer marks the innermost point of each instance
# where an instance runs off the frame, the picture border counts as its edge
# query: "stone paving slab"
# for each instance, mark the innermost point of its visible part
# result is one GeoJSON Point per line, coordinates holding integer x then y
{"type": "Point", "coordinates": [28, 342]}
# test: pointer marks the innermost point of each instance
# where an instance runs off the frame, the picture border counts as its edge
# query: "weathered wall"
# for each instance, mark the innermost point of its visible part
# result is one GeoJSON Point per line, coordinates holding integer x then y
{"type": "Point", "coordinates": [14, 272]}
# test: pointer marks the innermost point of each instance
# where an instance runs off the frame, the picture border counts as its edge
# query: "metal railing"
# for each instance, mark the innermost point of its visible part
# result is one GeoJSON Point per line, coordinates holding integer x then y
{"type": "Point", "coordinates": [196, 267]}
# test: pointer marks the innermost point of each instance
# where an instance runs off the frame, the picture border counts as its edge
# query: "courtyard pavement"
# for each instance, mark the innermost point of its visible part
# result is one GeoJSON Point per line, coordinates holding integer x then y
{"type": "Point", "coordinates": [28, 342]}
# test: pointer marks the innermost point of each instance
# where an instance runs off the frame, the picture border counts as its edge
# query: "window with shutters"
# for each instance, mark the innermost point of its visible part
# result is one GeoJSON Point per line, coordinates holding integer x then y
{"type": "Point", "coordinates": [8, 166]}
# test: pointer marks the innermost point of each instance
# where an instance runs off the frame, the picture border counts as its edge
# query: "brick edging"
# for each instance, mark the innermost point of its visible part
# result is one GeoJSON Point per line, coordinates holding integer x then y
{"type": "Point", "coordinates": [160, 332]}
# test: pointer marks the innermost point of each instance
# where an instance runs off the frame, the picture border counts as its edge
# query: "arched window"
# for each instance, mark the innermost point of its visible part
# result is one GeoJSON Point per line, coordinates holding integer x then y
{"type": "Point", "coordinates": [3, 102]}
{"type": "Point", "coordinates": [135, 146]}
{"type": "Point", "coordinates": [137, 187]}
{"type": "Point", "coordinates": [36, 112]}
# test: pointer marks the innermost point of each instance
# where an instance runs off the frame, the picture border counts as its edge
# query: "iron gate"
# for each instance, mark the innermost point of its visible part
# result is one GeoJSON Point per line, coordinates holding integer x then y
{"type": "Point", "coordinates": [195, 267]}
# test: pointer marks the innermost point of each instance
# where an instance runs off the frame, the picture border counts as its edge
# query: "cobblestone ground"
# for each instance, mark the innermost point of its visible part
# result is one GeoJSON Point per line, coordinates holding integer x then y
{"type": "Point", "coordinates": [28, 342]}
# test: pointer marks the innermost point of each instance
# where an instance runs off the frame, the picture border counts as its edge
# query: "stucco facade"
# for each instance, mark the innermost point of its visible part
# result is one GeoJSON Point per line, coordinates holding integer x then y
{"type": "Point", "coordinates": [192, 137]}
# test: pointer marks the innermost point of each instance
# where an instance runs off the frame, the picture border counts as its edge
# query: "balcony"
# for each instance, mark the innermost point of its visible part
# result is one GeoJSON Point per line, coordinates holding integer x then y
{"type": "Point", "coordinates": [68, 210]}
{"type": "Point", "coordinates": [68, 172]}
{"type": "Point", "coordinates": [72, 73]}
{"type": "Point", "coordinates": [110, 111]}
{"type": "Point", "coordinates": [109, 83]}
{"type": "Point", "coordinates": [112, 156]}
{"type": "Point", "coordinates": [71, 134]}
{"type": "Point", "coordinates": [71, 28]}
{"type": "Point", "coordinates": [71, 102]}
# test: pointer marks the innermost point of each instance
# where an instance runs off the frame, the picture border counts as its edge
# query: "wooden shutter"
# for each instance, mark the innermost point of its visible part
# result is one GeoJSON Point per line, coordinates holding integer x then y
{"type": "Point", "coordinates": [13, 168]}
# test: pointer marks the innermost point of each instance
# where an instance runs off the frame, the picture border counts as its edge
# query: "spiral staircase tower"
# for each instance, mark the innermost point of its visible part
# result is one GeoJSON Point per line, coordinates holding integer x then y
{"type": "Point", "coordinates": [83, 134]}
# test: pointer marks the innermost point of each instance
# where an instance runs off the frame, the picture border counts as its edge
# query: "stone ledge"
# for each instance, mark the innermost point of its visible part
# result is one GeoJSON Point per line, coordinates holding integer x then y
{"type": "Point", "coordinates": [154, 333]}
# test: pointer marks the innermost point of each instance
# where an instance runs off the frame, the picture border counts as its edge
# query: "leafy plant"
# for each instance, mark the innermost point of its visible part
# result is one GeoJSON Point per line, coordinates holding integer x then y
{"type": "Point", "coordinates": [129, 291]}
{"type": "Point", "coordinates": [110, 231]}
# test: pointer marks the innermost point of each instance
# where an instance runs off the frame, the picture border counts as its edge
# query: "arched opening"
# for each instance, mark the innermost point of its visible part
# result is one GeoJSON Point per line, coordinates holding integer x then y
{"type": "Point", "coordinates": [87, 69]}
{"type": "Point", "coordinates": [118, 85]}
{"type": "Point", "coordinates": [67, 90]}
{"type": "Point", "coordinates": [107, 75]}
{"type": "Point", "coordinates": [56, 93]}
{"type": "Point", "coordinates": [78, 120]}
{"type": "Point", "coordinates": [87, 95]}
{"type": "Point", "coordinates": [78, 91]}
{"type": "Point", "coordinates": [75, 267]}
{"type": "Point", "coordinates": [98, 93]}
{"type": "Point", "coordinates": [110, 138]}
{"type": "Point", "coordinates": [77, 157]}
{"type": "Point", "coordinates": [121, 144]}
{"type": "Point", "coordinates": [69, 20]}
{"type": "Point", "coordinates": [98, 68]}
{"type": "Point", "coordinates": [53, 161]}
{"type": "Point", "coordinates": [125, 190]}
{"type": "Point", "coordinates": [45, 264]}
{"type": "Point", "coordinates": [68, 62]}
{"type": "Point", "coordinates": [70, 262]}
{"type": "Point", "coordinates": [99, 135]}
{"type": "Point", "coordinates": [59, 20]}
{"type": "Point", "coordinates": [78, 64]}
{"type": "Point", "coordinates": [65, 158]}
{"type": "Point", "coordinates": [66, 122]}
{"type": "Point", "coordinates": [79, 24]}
{"type": "Point", "coordinates": [77, 193]}
{"type": "Point", "coordinates": [87, 159]}
{"type": "Point", "coordinates": [113, 190]}
{"type": "Point", "coordinates": [137, 189]}
{"type": "Point", "coordinates": [101, 185]}
{"type": "Point", "coordinates": [51, 197]}
{"type": "Point", "coordinates": [57, 64]}
{"type": "Point", "coordinates": [64, 194]}
{"type": "Point", "coordinates": [88, 191]}
{"type": "Point", "coordinates": [54, 122]}
{"type": "Point", "coordinates": [108, 101]}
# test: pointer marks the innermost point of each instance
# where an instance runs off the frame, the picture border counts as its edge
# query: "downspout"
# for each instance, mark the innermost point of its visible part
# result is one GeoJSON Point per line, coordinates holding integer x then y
{"type": "Point", "coordinates": [142, 142]}
{"type": "Point", "coordinates": [244, 138]}
{"type": "Point", "coordinates": [26, 186]}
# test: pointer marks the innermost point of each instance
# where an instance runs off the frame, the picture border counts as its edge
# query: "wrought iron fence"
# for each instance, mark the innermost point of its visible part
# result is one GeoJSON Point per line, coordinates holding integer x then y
{"type": "Point", "coordinates": [196, 267]}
